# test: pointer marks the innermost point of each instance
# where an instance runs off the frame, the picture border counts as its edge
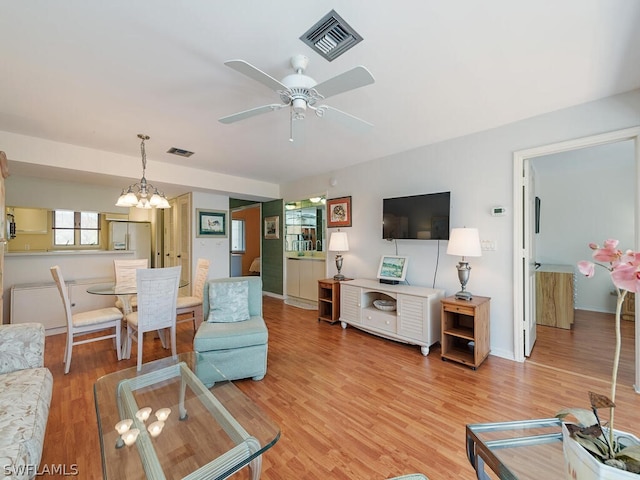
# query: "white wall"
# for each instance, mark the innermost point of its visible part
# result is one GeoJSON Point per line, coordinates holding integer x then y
{"type": "Point", "coordinates": [216, 250]}
{"type": "Point", "coordinates": [586, 196]}
{"type": "Point", "coordinates": [478, 170]}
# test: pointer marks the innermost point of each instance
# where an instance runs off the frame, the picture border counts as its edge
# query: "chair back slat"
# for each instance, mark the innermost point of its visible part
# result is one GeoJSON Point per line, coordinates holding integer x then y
{"type": "Point", "coordinates": [56, 273]}
{"type": "Point", "coordinates": [125, 271]}
{"type": "Point", "coordinates": [157, 290]}
{"type": "Point", "coordinates": [202, 273]}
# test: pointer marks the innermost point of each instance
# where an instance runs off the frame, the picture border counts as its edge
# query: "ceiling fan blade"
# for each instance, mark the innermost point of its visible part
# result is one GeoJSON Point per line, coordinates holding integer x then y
{"type": "Point", "coordinates": [350, 121]}
{"type": "Point", "coordinates": [255, 74]}
{"type": "Point", "coordinates": [251, 113]}
{"type": "Point", "coordinates": [355, 78]}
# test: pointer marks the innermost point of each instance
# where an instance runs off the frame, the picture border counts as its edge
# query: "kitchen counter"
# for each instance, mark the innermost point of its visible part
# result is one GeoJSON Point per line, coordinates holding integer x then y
{"type": "Point", "coordinates": [311, 255]}
{"type": "Point", "coordinates": [66, 252]}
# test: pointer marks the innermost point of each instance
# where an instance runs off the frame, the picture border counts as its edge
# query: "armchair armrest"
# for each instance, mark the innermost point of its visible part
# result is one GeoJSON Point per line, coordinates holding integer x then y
{"type": "Point", "coordinates": [21, 346]}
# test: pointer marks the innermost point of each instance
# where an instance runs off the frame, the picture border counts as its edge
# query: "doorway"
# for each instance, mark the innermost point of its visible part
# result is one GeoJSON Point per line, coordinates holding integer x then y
{"type": "Point", "coordinates": [524, 246]}
{"type": "Point", "coordinates": [245, 241]}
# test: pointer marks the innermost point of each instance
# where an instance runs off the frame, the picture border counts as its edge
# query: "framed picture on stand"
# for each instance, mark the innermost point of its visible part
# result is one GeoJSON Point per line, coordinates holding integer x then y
{"type": "Point", "coordinates": [339, 212]}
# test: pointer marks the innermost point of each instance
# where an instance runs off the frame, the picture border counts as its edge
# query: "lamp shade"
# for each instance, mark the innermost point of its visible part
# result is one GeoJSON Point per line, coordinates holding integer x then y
{"type": "Point", "coordinates": [464, 242]}
{"type": "Point", "coordinates": [339, 242]}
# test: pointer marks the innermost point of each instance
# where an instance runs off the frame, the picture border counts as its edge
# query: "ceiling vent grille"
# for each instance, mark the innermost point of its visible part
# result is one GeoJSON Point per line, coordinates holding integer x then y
{"type": "Point", "coordinates": [180, 152]}
{"type": "Point", "coordinates": [331, 36]}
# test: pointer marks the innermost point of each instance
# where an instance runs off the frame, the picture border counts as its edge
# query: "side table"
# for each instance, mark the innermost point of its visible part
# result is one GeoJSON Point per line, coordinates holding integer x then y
{"type": "Point", "coordinates": [465, 330]}
{"type": "Point", "coordinates": [329, 299]}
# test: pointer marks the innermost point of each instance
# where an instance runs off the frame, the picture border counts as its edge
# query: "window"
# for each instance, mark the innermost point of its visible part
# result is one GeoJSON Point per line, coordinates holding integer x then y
{"type": "Point", "coordinates": [237, 236]}
{"type": "Point", "coordinates": [76, 229]}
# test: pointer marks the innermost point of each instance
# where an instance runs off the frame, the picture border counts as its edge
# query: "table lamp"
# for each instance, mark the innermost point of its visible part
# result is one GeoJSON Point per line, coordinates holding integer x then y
{"type": "Point", "coordinates": [339, 243]}
{"type": "Point", "coordinates": [464, 242]}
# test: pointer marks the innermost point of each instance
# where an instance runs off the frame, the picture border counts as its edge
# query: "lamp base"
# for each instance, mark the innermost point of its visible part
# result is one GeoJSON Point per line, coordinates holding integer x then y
{"type": "Point", "coordinates": [339, 277]}
{"type": "Point", "coordinates": [464, 295]}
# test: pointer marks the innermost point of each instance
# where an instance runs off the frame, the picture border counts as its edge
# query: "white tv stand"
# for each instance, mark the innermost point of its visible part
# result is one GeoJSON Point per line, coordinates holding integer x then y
{"type": "Point", "coordinates": [415, 321]}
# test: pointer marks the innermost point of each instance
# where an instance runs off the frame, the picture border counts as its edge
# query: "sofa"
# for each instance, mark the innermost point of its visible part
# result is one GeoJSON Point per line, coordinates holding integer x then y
{"type": "Point", "coordinates": [25, 395]}
{"type": "Point", "coordinates": [231, 343]}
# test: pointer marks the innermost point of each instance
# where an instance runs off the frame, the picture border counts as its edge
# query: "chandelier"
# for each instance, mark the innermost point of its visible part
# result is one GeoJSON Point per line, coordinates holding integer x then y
{"type": "Point", "coordinates": [138, 194]}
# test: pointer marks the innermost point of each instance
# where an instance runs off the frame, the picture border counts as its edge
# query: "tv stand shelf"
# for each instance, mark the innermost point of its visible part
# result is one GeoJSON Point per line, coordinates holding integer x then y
{"type": "Point", "coordinates": [415, 321]}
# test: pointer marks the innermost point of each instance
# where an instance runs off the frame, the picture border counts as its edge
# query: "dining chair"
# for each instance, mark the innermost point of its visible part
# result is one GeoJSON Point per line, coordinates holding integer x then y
{"type": "Point", "coordinates": [192, 304]}
{"type": "Point", "coordinates": [125, 272]}
{"type": "Point", "coordinates": [83, 323]}
{"type": "Point", "coordinates": [157, 290]}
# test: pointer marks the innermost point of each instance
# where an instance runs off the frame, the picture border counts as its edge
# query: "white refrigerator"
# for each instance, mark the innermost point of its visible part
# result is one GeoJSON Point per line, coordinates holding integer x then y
{"type": "Point", "coordinates": [134, 236]}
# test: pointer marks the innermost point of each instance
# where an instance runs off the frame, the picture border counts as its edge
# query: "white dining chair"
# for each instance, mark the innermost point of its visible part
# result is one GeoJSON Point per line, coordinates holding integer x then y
{"type": "Point", "coordinates": [125, 272]}
{"type": "Point", "coordinates": [192, 305]}
{"type": "Point", "coordinates": [83, 323]}
{"type": "Point", "coordinates": [157, 290]}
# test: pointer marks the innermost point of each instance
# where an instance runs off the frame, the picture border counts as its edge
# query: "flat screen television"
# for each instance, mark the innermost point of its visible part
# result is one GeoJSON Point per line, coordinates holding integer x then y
{"type": "Point", "coordinates": [416, 217]}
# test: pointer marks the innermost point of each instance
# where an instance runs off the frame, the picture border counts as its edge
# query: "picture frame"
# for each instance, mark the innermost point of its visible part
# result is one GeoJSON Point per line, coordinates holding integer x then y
{"type": "Point", "coordinates": [338, 212]}
{"type": "Point", "coordinates": [272, 227]}
{"type": "Point", "coordinates": [211, 223]}
{"type": "Point", "coordinates": [392, 268]}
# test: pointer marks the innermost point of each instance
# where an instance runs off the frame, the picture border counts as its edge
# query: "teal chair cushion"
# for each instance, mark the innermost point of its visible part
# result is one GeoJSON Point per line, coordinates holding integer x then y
{"type": "Point", "coordinates": [225, 336]}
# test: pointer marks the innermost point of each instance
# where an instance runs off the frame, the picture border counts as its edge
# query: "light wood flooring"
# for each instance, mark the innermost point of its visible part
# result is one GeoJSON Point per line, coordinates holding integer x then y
{"type": "Point", "coordinates": [351, 405]}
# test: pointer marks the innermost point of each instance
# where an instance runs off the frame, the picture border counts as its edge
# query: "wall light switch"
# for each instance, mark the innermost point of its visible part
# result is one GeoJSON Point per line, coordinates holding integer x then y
{"type": "Point", "coordinates": [488, 245]}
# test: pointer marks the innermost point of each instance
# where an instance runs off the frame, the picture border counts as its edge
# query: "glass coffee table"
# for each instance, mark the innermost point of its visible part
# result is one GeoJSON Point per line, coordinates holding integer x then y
{"type": "Point", "coordinates": [209, 433]}
{"type": "Point", "coordinates": [518, 450]}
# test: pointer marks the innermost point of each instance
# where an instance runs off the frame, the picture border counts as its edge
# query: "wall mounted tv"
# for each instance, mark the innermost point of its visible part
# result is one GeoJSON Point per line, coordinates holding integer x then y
{"type": "Point", "coordinates": [417, 217]}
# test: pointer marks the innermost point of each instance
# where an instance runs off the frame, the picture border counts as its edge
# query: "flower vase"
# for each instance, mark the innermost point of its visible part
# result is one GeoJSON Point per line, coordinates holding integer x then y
{"type": "Point", "coordinates": [581, 465]}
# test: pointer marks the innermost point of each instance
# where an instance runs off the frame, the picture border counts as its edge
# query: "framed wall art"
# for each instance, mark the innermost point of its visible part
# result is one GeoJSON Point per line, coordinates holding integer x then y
{"type": "Point", "coordinates": [339, 212]}
{"type": "Point", "coordinates": [212, 223]}
{"type": "Point", "coordinates": [272, 227]}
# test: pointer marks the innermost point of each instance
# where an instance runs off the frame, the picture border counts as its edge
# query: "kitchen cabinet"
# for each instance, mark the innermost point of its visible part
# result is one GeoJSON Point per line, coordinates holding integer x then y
{"type": "Point", "coordinates": [415, 319]}
{"type": "Point", "coordinates": [41, 302]}
{"type": "Point", "coordinates": [302, 277]}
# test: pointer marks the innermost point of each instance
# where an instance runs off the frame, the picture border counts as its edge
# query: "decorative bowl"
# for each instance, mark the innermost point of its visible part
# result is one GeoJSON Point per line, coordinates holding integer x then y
{"type": "Point", "coordinates": [386, 305]}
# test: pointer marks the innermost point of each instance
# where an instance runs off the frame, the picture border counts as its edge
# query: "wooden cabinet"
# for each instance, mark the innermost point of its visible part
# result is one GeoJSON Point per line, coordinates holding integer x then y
{"type": "Point", "coordinates": [415, 319]}
{"type": "Point", "coordinates": [555, 296]}
{"type": "Point", "coordinates": [465, 330]}
{"type": "Point", "coordinates": [303, 276]}
{"type": "Point", "coordinates": [629, 307]}
{"type": "Point", "coordinates": [329, 299]}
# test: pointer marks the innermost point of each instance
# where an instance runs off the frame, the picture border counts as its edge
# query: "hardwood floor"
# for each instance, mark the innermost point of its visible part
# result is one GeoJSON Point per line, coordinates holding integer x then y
{"type": "Point", "coordinates": [350, 405]}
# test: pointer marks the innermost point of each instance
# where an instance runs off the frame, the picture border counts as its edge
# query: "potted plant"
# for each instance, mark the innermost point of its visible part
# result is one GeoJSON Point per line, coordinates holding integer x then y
{"type": "Point", "coordinates": [591, 449]}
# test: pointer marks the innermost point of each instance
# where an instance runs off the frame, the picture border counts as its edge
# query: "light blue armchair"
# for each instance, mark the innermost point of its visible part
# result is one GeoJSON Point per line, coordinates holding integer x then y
{"type": "Point", "coordinates": [230, 349]}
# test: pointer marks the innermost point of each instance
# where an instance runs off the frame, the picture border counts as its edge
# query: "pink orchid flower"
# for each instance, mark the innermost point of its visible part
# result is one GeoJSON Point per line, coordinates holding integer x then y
{"type": "Point", "coordinates": [627, 277]}
{"type": "Point", "coordinates": [608, 253]}
{"type": "Point", "coordinates": [587, 268]}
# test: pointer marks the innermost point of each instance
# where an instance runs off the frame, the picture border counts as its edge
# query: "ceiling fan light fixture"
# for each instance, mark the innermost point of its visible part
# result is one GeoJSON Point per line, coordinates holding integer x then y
{"type": "Point", "coordinates": [299, 105]}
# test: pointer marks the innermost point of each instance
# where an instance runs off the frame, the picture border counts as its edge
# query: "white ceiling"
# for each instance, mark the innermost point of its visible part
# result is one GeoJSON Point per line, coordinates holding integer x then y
{"type": "Point", "coordinates": [96, 73]}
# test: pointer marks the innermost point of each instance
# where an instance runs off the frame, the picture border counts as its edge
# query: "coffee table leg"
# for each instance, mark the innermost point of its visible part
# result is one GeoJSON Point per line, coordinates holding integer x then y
{"type": "Point", "coordinates": [183, 390]}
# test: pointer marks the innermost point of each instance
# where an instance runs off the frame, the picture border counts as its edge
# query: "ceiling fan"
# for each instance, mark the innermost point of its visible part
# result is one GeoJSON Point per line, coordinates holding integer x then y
{"type": "Point", "coordinates": [301, 93]}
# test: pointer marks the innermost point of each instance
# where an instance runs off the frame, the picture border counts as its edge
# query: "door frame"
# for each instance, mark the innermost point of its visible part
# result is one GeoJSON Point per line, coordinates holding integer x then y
{"type": "Point", "coordinates": [521, 226]}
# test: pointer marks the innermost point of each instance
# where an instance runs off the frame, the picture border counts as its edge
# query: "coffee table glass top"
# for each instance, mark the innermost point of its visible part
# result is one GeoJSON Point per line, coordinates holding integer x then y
{"type": "Point", "coordinates": [519, 450]}
{"type": "Point", "coordinates": [210, 433]}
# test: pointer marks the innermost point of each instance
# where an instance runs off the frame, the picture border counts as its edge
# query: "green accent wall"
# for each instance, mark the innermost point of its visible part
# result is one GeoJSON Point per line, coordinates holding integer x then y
{"type": "Point", "coordinates": [273, 250]}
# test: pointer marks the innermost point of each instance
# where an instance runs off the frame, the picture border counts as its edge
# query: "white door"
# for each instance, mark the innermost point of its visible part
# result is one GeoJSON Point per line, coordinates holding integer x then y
{"type": "Point", "coordinates": [529, 258]}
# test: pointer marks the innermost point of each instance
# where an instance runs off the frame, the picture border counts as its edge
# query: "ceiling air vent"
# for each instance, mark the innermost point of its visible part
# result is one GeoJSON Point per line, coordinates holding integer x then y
{"type": "Point", "coordinates": [331, 36]}
{"type": "Point", "coordinates": [180, 152]}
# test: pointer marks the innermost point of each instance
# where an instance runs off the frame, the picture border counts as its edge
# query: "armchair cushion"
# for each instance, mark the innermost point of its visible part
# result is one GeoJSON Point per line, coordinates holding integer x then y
{"type": "Point", "coordinates": [21, 347]}
{"type": "Point", "coordinates": [229, 302]}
